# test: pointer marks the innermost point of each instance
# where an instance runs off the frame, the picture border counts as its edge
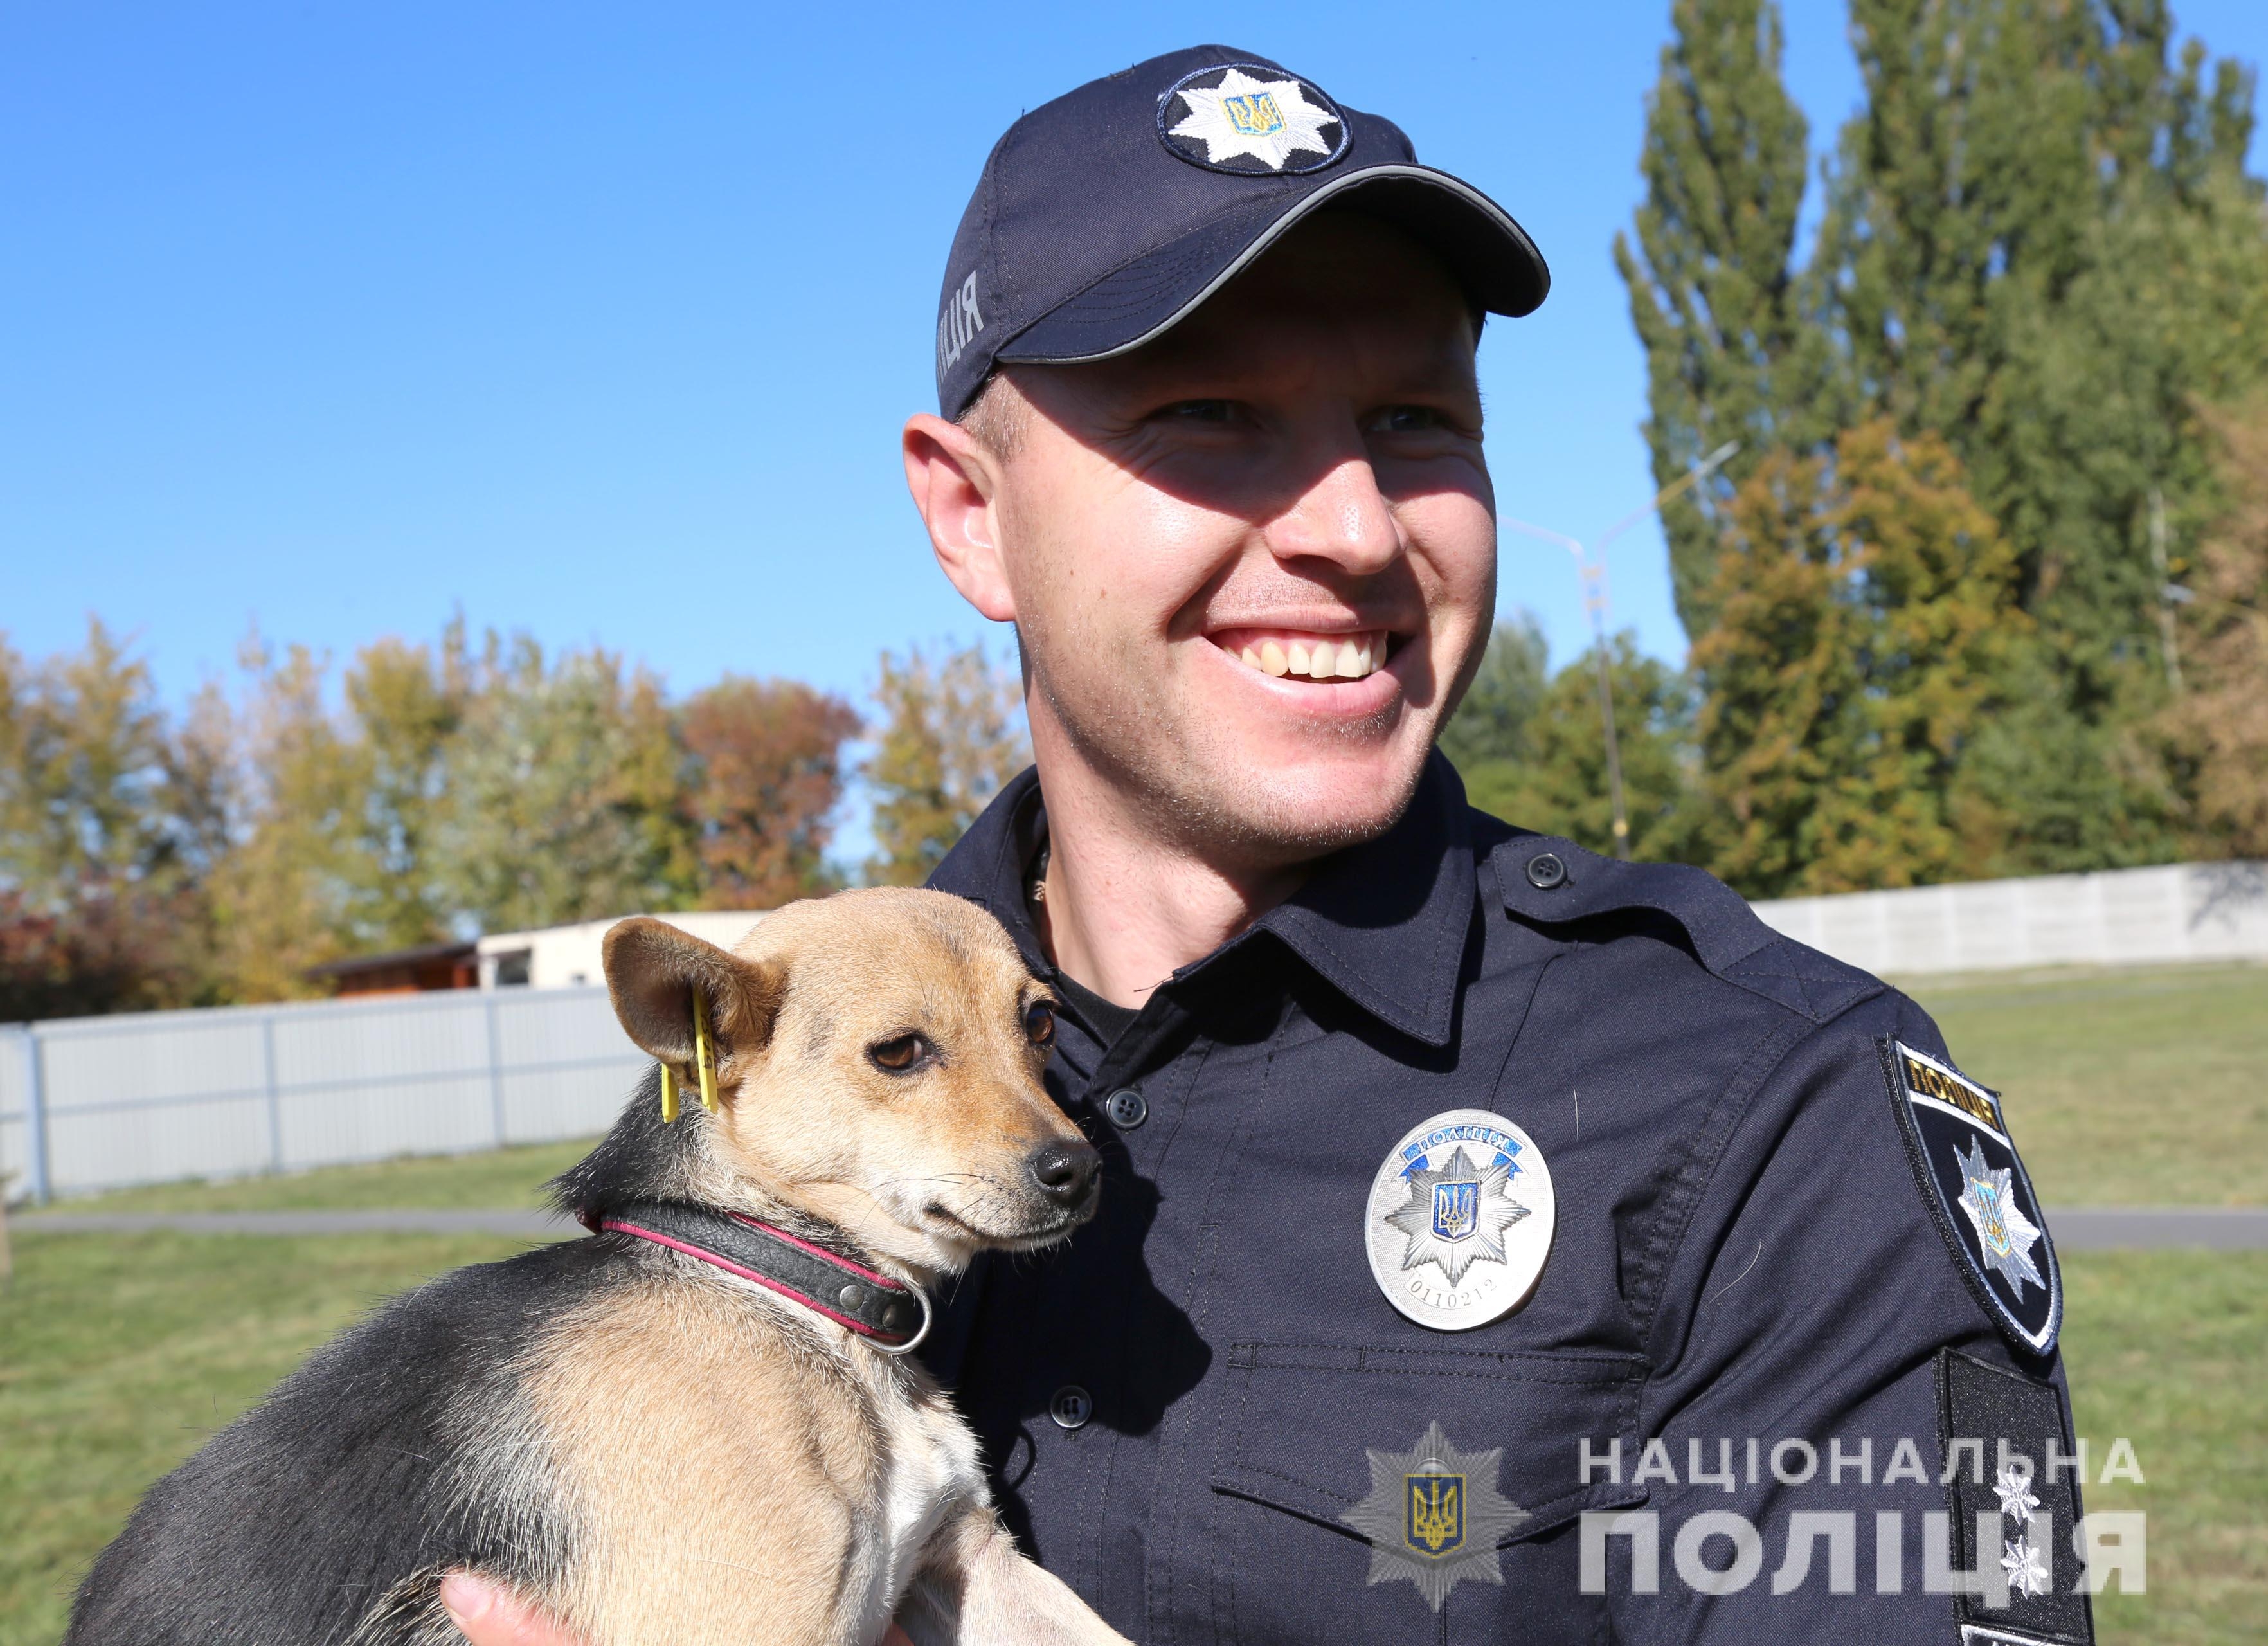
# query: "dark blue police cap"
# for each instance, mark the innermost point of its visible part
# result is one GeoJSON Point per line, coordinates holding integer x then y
{"type": "Point", "coordinates": [1105, 216]}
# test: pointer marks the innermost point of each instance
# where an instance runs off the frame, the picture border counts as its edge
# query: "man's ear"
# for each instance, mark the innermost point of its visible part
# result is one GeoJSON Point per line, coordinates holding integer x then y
{"type": "Point", "coordinates": [653, 970]}
{"type": "Point", "coordinates": [955, 479]}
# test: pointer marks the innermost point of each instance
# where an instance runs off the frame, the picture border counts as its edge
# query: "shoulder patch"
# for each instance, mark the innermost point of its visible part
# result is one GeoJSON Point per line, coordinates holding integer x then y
{"type": "Point", "coordinates": [1977, 1192]}
{"type": "Point", "coordinates": [2013, 1495]}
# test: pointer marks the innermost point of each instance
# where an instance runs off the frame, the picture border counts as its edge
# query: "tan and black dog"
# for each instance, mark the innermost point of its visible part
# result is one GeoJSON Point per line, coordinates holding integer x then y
{"type": "Point", "coordinates": [700, 1425]}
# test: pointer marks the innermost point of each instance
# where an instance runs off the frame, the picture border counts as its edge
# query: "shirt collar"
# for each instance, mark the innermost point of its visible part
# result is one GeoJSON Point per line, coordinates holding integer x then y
{"type": "Point", "coordinates": [1384, 922]}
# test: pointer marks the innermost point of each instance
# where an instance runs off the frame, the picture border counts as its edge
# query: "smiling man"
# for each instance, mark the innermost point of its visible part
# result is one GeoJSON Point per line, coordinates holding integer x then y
{"type": "Point", "coordinates": [1488, 1226]}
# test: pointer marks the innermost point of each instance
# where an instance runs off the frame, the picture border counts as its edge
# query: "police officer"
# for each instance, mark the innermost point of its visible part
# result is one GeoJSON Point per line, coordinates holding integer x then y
{"type": "Point", "coordinates": [1500, 1241]}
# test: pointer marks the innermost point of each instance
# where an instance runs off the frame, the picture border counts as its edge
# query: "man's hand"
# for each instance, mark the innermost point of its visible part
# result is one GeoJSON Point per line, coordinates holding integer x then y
{"type": "Point", "coordinates": [489, 1614]}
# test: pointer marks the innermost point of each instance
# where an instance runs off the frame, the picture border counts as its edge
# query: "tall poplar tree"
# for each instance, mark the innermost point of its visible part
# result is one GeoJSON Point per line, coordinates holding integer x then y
{"type": "Point", "coordinates": [1734, 349]}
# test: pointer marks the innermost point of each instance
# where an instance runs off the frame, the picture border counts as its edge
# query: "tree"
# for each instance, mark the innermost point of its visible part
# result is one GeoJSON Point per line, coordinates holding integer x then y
{"type": "Point", "coordinates": [84, 800]}
{"type": "Point", "coordinates": [1494, 722]}
{"type": "Point", "coordinates": [952, 736]}
{"type": "Point", "coordinates": [1733, 348]}
{"type": "Point", "coordinates": [768, 765]}
{"type": "Point", "coordinates": [103, 829]}
{"type": "Point", "coordinates": [1866, 616]}
{"type": "Point", "coordinates": [1556, 784]}
{"type": "Point", "coordinates": [2042, 248]}
{"type": "Point", "coordinates": [278, 896]}
{"type": "Point", "coordinates": [408, 704]}
{"type": "Point", "coordinates": [2221, 724]}
{"type": "Point", "coordinates": [563, 792]}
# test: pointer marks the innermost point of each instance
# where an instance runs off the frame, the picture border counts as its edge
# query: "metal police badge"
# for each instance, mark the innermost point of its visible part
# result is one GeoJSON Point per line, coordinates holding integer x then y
{"type": "Point", "coordinates": [1977, 1192]}
{"type": "Point", "coordinates": [1460, 1219]}
{"type": "Point", "coordinates": [1434, 1515]}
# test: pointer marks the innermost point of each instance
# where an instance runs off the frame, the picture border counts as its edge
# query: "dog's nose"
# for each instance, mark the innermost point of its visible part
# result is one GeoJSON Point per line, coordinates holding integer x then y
{"type": "Point", "coordinates": [1065, 1171]}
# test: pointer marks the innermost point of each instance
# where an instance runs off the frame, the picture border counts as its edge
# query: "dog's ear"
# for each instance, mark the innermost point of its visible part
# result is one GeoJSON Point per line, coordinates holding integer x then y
{"type": "Point", "coordinates": [653, 970]}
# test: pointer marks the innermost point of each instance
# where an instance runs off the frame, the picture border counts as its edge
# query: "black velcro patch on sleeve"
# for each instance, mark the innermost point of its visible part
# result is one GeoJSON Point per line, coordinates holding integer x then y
{"type": "Point", "coordinates": [2034, 1510]}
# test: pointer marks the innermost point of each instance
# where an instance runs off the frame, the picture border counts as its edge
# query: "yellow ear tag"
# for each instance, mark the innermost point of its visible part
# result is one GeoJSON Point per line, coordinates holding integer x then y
{"type": "Point", "coordinates": [705, 1053]}
{"type": "Point", "coordinates": [668, 1094]}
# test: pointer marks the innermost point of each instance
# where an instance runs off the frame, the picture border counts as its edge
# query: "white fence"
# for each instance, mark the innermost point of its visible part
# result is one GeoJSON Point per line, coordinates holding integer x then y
{"type": "Point", "coordinates": [2183, 912]}
{"type": "Point", "coordinates": [100, 1103]}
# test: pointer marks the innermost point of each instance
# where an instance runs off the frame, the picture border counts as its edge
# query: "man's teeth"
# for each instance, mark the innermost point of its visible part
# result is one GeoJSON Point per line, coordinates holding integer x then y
{"type": "Point", "coordinates": [1317, 657]}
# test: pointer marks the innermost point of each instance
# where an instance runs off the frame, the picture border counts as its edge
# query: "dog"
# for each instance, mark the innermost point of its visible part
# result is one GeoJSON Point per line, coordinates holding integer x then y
{"type": "Point", "coordinates": [700, 1424]}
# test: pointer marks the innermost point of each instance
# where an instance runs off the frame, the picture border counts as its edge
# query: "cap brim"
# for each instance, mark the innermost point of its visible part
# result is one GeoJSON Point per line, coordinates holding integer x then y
{"type": "Point", "coordinates": [1489, 253]}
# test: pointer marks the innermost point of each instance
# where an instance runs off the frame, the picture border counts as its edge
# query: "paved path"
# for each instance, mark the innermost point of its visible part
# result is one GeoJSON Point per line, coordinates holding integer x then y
{"type": "Point", "coordinates": [2075, 1229]}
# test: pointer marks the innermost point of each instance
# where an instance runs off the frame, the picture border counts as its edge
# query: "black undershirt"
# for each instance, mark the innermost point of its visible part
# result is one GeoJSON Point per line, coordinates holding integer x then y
{"type": "Point", "coordinates": [1106, 1018]}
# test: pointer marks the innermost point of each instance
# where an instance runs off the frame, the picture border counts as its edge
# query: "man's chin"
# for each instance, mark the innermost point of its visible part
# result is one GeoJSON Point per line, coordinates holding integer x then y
{"type": "Point", "coordinates": [1285, 810]}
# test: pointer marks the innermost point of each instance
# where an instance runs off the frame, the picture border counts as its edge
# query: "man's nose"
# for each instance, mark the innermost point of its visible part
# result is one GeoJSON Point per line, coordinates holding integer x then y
{"type": "Point", "coordinates": [1343, 518]}
{"type": "Point", "coordinates": [1064, 1171]}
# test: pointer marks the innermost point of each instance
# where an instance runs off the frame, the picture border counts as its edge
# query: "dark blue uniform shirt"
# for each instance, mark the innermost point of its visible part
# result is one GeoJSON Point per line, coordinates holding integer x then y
{"type": "Point", "coordinates": [1180, 1407]}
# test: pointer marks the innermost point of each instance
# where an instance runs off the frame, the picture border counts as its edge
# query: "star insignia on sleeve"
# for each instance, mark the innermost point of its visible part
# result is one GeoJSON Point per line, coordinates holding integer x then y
{"type": "Point", "coordinates": [1269, 119]}
{"type": "Point", "coordinates": [2003, 1231]}
{"type": "Point", "coordinates": [2013, 1488]}
{"type": "Point", "coordinates": [1433, 1516]}
{"type": "Point", "coordinates": [1455, 1226]}
{"type": "Point", "coordinates": [2027, 1572]}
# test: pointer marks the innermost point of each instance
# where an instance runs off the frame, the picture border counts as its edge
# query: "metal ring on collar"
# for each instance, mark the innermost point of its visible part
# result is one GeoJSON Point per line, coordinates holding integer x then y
{"type": "Point", "coordinates": [915, 1342]}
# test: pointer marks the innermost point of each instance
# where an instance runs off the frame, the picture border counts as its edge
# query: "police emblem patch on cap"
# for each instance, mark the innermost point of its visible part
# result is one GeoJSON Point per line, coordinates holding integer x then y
{"type": "Point", "coordinates": [1460, 1219]}
{"type": "Point", "coordinates": [1978, 1193]}
{"type": "Point", "coordinates": [1245, 117]}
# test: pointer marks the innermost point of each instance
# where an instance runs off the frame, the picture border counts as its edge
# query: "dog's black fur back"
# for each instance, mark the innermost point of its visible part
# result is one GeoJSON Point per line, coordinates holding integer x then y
{"type": "Point", "coordinates": [328, 1513]}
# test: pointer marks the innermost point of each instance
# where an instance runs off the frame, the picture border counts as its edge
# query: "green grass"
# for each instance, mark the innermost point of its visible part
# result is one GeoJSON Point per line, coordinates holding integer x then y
{"type": "Point", "coordinates": [2143, 1086]}
{"type": "Point", "coordinates": [2166, 1348]}
{"type": "Point", "coordinates": [509, 1179]}
{"type": "Point", "coordinates": [124, 1353]}
{"type": "Point", "coordinates": [119, 1355]}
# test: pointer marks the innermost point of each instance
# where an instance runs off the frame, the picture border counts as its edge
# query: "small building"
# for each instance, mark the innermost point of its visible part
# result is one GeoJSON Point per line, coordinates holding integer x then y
{"type": "Point", "coordinates": [556, 957]}
{"type": "Point", "coordinates": [403, 971]}
{"type": "Point", "coordinates": [564, 956]}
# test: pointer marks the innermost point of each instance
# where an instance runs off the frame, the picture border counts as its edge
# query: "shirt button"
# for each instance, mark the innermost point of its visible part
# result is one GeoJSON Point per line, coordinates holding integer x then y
{"type": "Point", "coordinates": [1072, 1407]}
{"type": "Point", "coordinates": [1127, 1108]}
{"type": "Point", "coordinates": [1546, 871]}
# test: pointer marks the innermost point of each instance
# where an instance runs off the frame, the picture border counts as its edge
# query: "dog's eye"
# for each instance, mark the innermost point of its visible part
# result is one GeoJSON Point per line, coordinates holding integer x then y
{"type": "Point", "coordinates": [902, 1056]}
{"type": "Point", "coordinates": [1040, 1023]}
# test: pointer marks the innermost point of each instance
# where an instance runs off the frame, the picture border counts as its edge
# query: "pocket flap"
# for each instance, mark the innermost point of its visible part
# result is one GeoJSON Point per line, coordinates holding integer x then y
{"type": "Point", "coordinates": [1302, 1422]}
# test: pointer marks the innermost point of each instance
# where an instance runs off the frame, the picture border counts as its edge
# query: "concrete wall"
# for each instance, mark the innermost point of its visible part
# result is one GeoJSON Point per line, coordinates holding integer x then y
{"type": "Point", "coordinates": [2183, 912]}
{"type": "Point", "coordinates": [100, 1102]}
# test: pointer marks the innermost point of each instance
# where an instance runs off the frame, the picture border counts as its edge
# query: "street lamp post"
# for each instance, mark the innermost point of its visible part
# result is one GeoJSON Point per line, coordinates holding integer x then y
{"type": "Point", "coordinates": [1592, 567]}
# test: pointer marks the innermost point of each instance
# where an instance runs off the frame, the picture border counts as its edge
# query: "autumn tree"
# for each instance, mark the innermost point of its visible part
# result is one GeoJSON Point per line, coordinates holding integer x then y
{"type": "Point", "coordinates": [952, 734]}
{"type": "Point", "coordinates": [767, 779]}
{"type": "Point", "coordinates": [565, 792]}
{"type": "Point", "coordinates": [1866, 618]}
{"type": "Point", "coordinates": [2218, 725]}
{"type": "Point", "coordinates": [406, 703]}
{"type": "Point", "coordinates": [278, 897]}
{"type": "Point", "coordinates": [103, 831]}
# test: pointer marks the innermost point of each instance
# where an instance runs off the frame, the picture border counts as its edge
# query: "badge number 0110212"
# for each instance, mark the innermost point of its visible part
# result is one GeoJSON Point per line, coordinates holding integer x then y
{"type": "Point", "coordinates": [1459, 1221]}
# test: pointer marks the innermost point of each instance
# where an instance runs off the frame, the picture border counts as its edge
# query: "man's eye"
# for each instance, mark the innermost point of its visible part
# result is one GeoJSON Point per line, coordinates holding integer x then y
{"type": "Point", "coordinates": [1199, 412]}
{"type": "Point", "coordinates": [1408, 420]}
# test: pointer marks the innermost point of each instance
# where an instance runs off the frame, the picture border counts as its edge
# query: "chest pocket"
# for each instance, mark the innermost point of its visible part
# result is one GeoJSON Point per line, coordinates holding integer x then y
{"type": "Point", "coordinates": [1347, 1480]}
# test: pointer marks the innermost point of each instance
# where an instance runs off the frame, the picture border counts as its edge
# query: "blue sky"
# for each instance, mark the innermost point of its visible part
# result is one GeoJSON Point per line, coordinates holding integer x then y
{"type": "Point", "coordinates": [601, 320]}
